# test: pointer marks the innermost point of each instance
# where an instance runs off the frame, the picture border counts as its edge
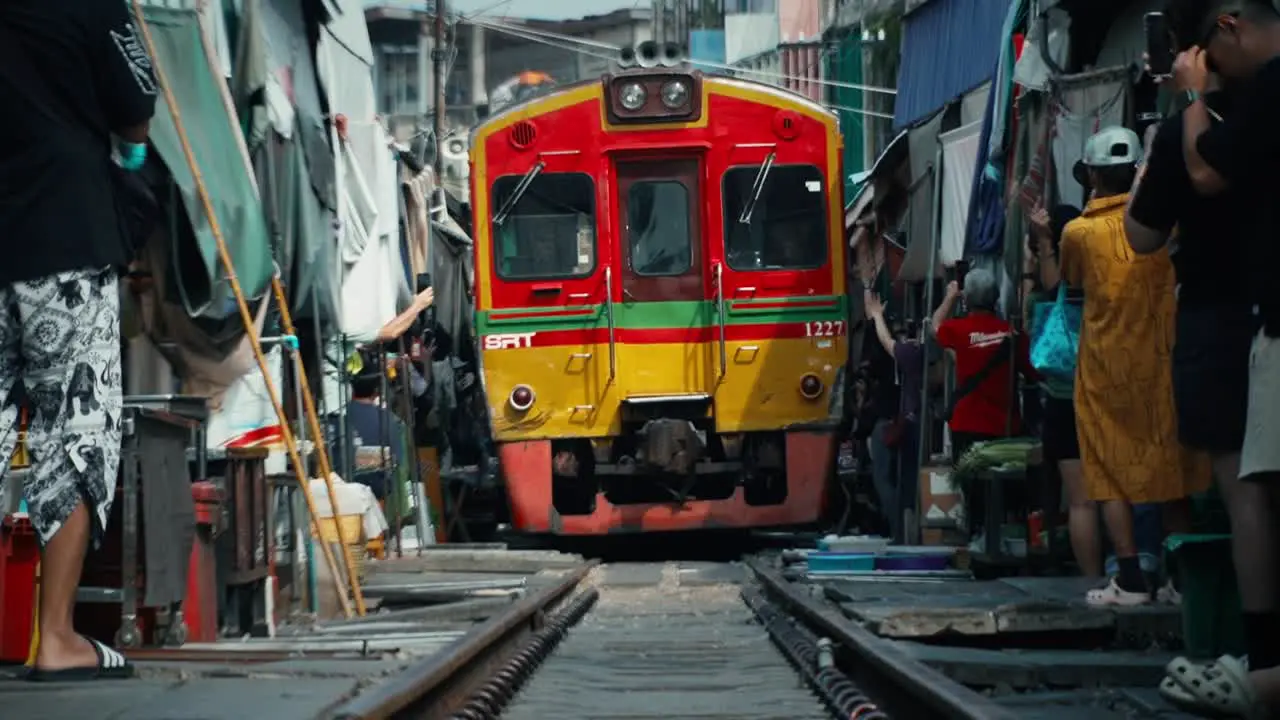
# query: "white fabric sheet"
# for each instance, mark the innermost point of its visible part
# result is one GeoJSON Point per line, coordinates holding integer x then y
{"type": "Point", "coordinates": [371, 270]}
{"type": "Point", "coordinates": [959, 160]}
{"type": "Point", "coordinates": [1085, 111]}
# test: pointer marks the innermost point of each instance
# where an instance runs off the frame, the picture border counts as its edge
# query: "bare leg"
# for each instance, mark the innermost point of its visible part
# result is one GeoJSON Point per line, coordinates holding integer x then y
{"type": "Point", "coordinates": [1266, 687]}
{"type": "Point", "coordinates": [1255, 550]}
{"type": "Point", "coordinates": [63, 559]}
{"type": "Point", "coordinates": [1118, 515]}
{"type": "Point", "coordinates": [1255, 538]}
{"type": "Point", "coordinates": [1082, 520]}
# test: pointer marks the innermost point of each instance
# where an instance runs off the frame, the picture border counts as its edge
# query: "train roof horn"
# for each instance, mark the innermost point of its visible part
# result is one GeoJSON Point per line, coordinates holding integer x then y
{"type": "Point", "coordinates": [627, 58]}
{"type": "Point", "coordinates": [672, 55]}
{"type": "Point", "coordinates": [648, 54]}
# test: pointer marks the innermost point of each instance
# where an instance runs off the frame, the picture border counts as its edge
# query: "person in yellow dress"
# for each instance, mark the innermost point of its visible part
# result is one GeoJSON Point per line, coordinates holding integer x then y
{"type": "Point", "coordinates": [1125, 418]}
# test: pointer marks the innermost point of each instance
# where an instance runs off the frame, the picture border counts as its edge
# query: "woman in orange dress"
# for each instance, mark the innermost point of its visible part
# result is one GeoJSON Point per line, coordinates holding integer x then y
{"type": "Point", "coordinates": [1125, 417]}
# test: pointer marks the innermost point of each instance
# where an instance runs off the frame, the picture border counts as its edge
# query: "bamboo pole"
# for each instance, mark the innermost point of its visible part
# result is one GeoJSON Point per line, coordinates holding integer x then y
{"type": "Point", "coordinates": [313, 423]}
{"type": "Point", "coordinates": [247, 318]}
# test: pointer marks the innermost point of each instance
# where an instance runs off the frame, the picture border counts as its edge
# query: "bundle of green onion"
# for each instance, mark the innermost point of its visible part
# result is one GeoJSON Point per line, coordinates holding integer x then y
{"type": "Point", "coordinates": [1005, 455]}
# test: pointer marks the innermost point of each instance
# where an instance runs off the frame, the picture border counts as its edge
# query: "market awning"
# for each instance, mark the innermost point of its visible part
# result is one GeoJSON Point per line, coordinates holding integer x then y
{"type": "Point", "coordinates": [948, 48]}
{"type": "Point", "coordinates": [212, 130]}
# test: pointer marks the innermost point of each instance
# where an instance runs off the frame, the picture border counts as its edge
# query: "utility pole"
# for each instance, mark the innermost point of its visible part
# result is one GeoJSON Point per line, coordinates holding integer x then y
{"type": "Point", "coordinates": [439, 59]}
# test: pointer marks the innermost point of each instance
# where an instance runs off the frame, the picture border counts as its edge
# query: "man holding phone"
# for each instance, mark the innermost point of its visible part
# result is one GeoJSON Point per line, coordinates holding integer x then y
{"type": "Point", "coordinates": [1235, 161]}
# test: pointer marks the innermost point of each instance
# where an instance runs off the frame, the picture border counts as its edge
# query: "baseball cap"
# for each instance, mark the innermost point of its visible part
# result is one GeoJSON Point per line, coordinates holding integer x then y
{"type": "Point", "coordinates": [1107, 148]}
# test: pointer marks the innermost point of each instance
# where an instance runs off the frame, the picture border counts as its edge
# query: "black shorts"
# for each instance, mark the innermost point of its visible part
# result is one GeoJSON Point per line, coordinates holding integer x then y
{"type": "Point", "coordinates": [1211, 375]}
{"type": "Point", "coordinates": [1058, 431]}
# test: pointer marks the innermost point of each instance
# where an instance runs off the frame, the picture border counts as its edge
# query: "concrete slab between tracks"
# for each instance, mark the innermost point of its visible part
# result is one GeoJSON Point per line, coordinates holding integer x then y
{"type": "Point", "coordinates": [309, 668]}
{"type": "Point", "coordinates": [696, 574]}
{"type": "Point", "coordinates": [192, 699]}
{"type": "Point", "coordinates": [1011, 607]}
{"type": "Point", "coordinates": [1120, 703]}
{"type": "Point", "coordinates": [1032, 669]}
{"type": "Point", "coordinates": [631, 575]}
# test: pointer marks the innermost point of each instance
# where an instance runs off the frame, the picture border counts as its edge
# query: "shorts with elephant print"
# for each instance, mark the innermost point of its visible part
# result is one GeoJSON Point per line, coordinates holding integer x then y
{"type": "Point", "coordinates": [60, 339]}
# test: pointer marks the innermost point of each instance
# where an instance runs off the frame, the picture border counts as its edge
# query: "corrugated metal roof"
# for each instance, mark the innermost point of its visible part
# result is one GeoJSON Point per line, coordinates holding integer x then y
{"type": "Point", "coordinates": [948, 48]}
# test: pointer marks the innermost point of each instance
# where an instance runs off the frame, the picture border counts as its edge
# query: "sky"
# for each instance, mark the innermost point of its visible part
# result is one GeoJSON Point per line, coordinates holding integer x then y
{"type": "Point", "coordinates": [529, 9]}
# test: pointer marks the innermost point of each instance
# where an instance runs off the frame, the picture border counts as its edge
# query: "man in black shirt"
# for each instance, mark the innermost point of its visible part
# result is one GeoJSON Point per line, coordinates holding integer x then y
{"type": "Point", "coordinates": [72, 74]}
{"type": "Point", "coordinates": [1235, 161]}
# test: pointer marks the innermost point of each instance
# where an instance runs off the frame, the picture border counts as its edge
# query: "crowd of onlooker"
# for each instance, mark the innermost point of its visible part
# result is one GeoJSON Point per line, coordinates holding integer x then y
{"type": "Point", "coordinates": [1153, 333]}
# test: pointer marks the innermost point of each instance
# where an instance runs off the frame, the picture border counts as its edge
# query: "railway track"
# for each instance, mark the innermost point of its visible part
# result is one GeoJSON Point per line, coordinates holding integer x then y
{"type": "Point", "coordinates": [759, 649]}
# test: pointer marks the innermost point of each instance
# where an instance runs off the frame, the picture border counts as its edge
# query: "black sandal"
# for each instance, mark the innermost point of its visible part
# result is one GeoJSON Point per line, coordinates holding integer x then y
{"type": "Point", "coordinates": [111, 666]}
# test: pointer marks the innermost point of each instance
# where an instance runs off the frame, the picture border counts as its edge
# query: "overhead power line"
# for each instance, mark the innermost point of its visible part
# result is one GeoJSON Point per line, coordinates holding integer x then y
{"type": "Point", "coordinates": [566, 42]}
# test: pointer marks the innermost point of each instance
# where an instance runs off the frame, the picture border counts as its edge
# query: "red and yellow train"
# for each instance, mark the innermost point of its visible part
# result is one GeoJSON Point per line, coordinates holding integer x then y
{"type": "Point", "coordinates": [660, 302]}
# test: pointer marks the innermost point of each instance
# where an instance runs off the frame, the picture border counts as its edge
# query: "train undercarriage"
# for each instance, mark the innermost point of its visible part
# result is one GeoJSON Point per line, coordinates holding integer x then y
{"type": "Point", "coordinates": [668, 470]}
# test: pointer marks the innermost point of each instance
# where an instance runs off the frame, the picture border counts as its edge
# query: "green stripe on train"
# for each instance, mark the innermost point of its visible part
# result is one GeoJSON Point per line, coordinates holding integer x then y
{"type": "Point", "coordinates": [664, 314]}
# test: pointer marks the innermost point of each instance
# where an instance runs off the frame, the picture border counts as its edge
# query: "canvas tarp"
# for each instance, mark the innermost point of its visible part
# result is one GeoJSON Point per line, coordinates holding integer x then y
{"type": "Point", "coordinates": [369, 265]}
{"type": "Point", "coordinates": [279, 98]}
{"type": "Point", "coordinates": [212, 131]}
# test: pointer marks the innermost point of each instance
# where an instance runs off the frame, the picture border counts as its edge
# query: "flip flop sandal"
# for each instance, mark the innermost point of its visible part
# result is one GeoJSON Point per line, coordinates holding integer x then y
{"type": "Point", "coordinates": [1170, 690]}
{"type": "Point", "coordinates": [111, 666]}
{"type": "Point", "coordinates": [1221, 687]}
{"type": "Point", "coordinates": [1113, 596]}
{"type": "Point", "coordinates": [1173, 692]}
{"type": "Point", "coordinates": [1169, 595]}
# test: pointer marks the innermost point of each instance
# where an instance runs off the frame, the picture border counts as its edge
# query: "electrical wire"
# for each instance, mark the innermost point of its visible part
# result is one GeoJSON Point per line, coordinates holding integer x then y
{"type": "Point", "coordinates": [560, 40]}
{"type": "Point", "coordinates": [533, 38]}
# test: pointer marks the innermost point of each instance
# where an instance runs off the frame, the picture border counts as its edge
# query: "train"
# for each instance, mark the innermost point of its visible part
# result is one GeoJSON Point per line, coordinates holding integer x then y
{"type": "Point", "coordinates": [660, 301]}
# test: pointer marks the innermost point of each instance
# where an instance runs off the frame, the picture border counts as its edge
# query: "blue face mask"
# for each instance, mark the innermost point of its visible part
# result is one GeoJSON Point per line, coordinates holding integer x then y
{"type": "Point", "coordinates": [132, 156]}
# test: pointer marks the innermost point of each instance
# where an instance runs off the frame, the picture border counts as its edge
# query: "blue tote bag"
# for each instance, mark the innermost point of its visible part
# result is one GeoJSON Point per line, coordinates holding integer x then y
{"type": "Point", "coordinates": [1055, 339]}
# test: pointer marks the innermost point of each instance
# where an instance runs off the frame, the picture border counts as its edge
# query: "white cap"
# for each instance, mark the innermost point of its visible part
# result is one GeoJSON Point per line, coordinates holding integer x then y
{"type": "Point", "coordinates": [1108, 147]}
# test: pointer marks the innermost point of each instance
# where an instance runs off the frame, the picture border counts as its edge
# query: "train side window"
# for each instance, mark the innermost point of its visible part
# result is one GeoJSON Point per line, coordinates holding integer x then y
{"type": "Point", "coordinates": [551, 231]}
{"type": "Point", "coordinates": [787, 229]}
{"type": "Point", "coordinates": [658, 227]}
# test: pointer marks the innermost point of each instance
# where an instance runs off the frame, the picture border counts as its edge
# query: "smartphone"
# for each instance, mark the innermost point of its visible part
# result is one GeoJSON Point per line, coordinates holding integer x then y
{"type": "Point", "coordinates": [962, 269]}
{"type": "Point", "coordinates": [1159, 46]}
{"type": "Point", "coordinates": [424, 281]}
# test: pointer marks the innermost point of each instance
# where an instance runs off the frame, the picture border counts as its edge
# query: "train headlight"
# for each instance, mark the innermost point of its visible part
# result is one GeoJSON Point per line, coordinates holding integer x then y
{"type": "Point", "coordinates": [633, 96]}
{"type": "Point", "coordinates": [522, 398]}
{"type": "Point", "coordinates": [811, 386]}
{"type": "Point", "coordinates": [675, 94]}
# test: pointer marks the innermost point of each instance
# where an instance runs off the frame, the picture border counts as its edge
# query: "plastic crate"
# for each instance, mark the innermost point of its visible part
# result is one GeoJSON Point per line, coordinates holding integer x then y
{"type": "Point", "coordinates": [19, 556]}
{"type": "Point", "coordinates": [1212, 624]}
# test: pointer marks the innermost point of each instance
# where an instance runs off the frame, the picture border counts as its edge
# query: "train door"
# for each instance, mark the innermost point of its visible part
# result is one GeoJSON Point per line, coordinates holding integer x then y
{"type": "Point", "coordinates": [663, 313]}
{"type": "Point", "coordinates": [781, 312]}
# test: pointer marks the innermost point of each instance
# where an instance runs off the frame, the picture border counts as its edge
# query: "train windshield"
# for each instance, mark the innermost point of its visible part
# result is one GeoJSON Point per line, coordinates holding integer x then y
{"type": "Point", "coordinates": [550, 230]}
{"type": "Point", "coordinates": [787, 226]}
{"type": "Point", "coordinates": [658, 227]}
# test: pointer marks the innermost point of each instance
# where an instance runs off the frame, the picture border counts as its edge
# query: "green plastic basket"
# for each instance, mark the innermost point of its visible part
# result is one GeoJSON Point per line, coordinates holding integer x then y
{"type": "Point", "coordinates": [1212, 624]}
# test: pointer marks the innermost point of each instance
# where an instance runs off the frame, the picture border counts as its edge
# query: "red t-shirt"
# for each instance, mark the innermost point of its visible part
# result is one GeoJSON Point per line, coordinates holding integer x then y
{"type": "Point", "coordinates": [974, 339]}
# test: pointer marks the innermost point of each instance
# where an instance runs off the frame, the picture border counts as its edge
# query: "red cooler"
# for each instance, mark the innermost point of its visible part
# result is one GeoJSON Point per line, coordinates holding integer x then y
{"type": "Point", "coordinates": [19, 555]}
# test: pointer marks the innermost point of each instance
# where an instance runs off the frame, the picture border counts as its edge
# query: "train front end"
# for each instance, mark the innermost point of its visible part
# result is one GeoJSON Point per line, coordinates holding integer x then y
{"type": "Point", "coordinates": [660, 303]}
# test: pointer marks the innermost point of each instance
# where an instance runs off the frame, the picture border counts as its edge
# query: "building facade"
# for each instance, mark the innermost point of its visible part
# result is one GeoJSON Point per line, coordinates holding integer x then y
{"type": "Point", "coordinates": [483, 53]}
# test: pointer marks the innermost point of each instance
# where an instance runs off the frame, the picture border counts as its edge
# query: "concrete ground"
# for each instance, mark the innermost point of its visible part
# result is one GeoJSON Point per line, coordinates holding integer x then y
{"type": "Point", "coordinates": [293, 676]}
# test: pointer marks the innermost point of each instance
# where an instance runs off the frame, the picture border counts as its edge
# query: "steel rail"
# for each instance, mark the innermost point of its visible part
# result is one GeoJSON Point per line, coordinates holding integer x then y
{"type": "Point", "coordinates": [438, 685]}
{"type": "Point", "coordinates": [930, 687]}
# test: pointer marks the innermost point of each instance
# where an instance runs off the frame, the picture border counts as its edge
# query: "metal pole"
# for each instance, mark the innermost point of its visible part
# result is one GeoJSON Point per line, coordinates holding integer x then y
{"type": "Point", "coordinates": [439, 58]}
{"type": "Point", "coordinates": [925, 419]}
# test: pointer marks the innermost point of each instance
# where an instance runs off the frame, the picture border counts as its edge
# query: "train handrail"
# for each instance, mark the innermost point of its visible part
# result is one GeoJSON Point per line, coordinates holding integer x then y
{"type": "Point", "coordinates": [724, 351]}
{"type": "Point", "coordinates": [608, 310]}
